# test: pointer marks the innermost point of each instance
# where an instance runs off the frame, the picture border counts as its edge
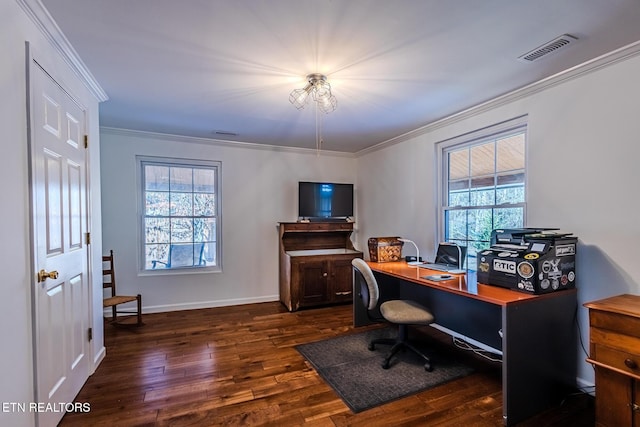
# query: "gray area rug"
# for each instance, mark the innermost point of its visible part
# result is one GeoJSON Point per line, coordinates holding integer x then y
{"type": "Point", "coordinates": [355, 373]}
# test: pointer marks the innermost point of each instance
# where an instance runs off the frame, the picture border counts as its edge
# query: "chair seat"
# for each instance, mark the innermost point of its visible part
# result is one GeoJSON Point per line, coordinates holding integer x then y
{"type": "Point", "coordinates": [111, 301]}
{"type": "Point", "coordinates": [405, 312]}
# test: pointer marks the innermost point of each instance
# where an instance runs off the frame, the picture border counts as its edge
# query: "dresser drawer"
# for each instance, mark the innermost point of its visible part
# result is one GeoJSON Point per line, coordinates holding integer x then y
{"type": "Point", "coordinates": [613, 339]}
{"type": "Point", "coordinates": [619, 360]}
{"type": "Point", "coordinates": [618, 322]}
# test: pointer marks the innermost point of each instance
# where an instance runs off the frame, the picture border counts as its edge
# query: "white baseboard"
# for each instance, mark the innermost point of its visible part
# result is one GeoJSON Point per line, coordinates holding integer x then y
{"type": "Point", "coordinates": [99, 357]}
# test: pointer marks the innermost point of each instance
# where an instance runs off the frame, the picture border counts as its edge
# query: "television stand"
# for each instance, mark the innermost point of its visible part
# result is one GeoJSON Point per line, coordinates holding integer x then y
{"type": "Point", "coordinates": [315, 263]}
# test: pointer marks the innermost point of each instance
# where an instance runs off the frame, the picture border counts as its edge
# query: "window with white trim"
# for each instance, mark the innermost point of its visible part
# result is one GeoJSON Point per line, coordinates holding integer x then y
{"type": "Point", "coordinates": [180, 220]}
{"type": "Point", "coordinates": [483, 186]}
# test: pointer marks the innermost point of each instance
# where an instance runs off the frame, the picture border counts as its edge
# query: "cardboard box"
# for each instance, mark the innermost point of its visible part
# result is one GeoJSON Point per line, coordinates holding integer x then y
{"type": "Point", "coordinates": [385, 249]}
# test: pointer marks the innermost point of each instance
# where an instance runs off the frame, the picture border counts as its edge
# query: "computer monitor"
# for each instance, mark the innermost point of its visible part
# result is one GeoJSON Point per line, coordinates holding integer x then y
{"type": "Point", "coordinates": [451, 254]}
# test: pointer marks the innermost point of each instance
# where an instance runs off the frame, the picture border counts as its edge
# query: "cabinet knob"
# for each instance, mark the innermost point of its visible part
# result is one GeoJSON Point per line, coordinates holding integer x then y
{"type": "Point", "coordinates": [630, 363]}
{"type": "Point", "coordinates": [324, 274]}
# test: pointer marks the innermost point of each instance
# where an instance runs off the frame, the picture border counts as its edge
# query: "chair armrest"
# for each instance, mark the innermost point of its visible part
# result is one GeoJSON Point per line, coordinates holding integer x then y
{"type": "Point", "coordinates": [154, 262]}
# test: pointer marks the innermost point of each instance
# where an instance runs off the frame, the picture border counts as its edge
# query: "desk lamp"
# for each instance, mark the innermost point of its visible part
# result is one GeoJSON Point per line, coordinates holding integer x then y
{"type": "Point", "coordinates": [417, 261]}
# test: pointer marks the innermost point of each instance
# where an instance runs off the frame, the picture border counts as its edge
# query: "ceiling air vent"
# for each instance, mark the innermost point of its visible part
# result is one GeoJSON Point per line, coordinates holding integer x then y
{"type": "Point", "coordinates": [224, 133]}
{"type": "Point", "coordinates": [547, 48]}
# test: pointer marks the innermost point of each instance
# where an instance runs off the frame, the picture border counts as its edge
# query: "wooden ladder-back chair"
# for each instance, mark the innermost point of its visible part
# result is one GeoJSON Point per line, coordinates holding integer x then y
{"type": "Point", "coordinates": [109, 281]}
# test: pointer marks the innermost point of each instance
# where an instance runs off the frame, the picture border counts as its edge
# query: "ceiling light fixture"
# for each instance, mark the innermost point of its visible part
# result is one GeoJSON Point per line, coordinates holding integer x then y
{"type": "Point", "coordinates": [319, 90]}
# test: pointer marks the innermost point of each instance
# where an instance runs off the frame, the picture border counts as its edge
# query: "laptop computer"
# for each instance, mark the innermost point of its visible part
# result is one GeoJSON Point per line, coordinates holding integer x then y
{"type": "Point", "coordinates": [449, 258]}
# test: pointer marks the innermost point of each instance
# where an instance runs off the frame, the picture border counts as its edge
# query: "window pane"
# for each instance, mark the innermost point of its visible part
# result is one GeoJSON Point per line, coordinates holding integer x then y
{"type": "Point", "coordinates": [459, 199]}
{"type": "Point", "coordinates": [181, 230]}
{"type": "Point", "coordinates": [157, 203]}
{"type": "Point", "coordinates": [204, 180]}
{"type": "Point", "coordinates": [204, 204]}
{"type": "Point", "coordinates": [510, 153]}
{"type": "Point", "coordinates": [456, 222]}
{"type": "Point", "coordinates": [482, 192]}
{"type": "Point", "coordinates": [480, 224]}
{"type": "Point", "coordinates": [210, 255]}
{"type": "Point", "coordinates": [483, 159]}
{"type": "Point", "coordinates": [181, 204]}
{"type": "Point", "coordinates": [157, 230]}
{"type": "Point", "coordinates": [509, 217]}
{"type": "Point", "coordinates": [204, 230]}
{"type": "Point", "coordinates": [156, 177]}
{"type": "Point", "coordinates": [181, 179]}
{"type": "Point", "coordinates": [156, 256]}
{"type": "Point", "coordinates": [459, 164]}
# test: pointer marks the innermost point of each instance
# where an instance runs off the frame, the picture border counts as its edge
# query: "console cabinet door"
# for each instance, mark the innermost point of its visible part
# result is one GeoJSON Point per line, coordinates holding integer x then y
{"type": "Point", "coordinates": [342, 280]}
{"type": "Point", "coordinates": [613, 398]}
{"type": "Point", "coordinates": [313, 282]}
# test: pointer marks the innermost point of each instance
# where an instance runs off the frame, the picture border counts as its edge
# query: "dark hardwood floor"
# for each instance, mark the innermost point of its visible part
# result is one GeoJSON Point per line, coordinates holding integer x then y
{"type": "Point", "coordinates": [237, 366]}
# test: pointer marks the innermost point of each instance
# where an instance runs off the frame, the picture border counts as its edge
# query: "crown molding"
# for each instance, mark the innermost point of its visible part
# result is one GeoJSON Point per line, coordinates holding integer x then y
{"type": "Point", "coordinates": [43, 20]}
{"type": "Point", "coordinates": [606, 60]}
{"type": "Point", "coordinates": [220, 142]}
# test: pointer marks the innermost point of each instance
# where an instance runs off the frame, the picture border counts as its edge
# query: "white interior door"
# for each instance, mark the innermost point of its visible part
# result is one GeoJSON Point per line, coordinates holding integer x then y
{"type": "Point", "coordinates": [61, 299]}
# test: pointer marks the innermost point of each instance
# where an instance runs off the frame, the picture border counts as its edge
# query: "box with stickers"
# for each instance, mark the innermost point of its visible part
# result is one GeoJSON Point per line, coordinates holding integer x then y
{"type": "Point", "coordinates": [532, 260]}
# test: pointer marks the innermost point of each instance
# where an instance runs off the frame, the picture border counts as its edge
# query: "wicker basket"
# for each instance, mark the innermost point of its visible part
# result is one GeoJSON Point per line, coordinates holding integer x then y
{"type": "Point", "coordinates": [385, 249]}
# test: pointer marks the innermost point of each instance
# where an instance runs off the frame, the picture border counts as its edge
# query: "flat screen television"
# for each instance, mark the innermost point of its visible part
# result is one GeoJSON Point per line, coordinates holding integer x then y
{"type": "Point", "coordinates": [325, 200]}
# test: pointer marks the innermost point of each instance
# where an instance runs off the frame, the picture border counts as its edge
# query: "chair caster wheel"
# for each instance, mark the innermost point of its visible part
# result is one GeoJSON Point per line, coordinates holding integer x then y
{"type": "Point", "coordinates": [372, 347]}
{"type": "Point", "coordinates": [385, 364]}
{"type": "Point", "coordinates": [428, 367]}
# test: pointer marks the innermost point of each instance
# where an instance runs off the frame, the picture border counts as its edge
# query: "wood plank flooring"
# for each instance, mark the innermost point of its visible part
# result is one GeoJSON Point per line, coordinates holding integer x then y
{"type": "Point", "coordinates": [237, 366]}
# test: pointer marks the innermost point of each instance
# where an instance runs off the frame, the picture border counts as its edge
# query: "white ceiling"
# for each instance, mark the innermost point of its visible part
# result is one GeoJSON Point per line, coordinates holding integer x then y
{"type": "Point", "coordinates": [194, 67]}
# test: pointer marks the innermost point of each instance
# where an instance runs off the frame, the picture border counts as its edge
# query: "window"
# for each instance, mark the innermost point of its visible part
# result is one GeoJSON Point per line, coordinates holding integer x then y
{"type": "Point", "coordinates": [180, 219]}
{"type": "Point", "coordinates": [483, 186]}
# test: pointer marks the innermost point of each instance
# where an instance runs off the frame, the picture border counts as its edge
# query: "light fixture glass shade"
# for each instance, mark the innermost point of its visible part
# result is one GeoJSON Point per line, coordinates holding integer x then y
{"type": "Point", "coordinates": [300, 97]}
{"type": "Point", "coordinates": [321, 90]}
{"type": "Point", "coordinates": [328, 104]}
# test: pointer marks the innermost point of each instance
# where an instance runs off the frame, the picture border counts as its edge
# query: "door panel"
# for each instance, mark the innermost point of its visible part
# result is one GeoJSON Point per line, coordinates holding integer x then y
{"type": "Point", "coordinates": [61, 301]}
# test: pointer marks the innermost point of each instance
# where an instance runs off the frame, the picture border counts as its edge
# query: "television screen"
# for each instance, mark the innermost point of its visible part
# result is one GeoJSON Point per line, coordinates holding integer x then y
{"type": "Point", "coordinates": [325, 200]}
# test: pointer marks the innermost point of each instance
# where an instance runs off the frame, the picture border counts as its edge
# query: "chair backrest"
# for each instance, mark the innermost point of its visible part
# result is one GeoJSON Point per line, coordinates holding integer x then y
{"type": "Point", "coordinates": [369, 292]}
{"type": "Point", "coordinates": [451, 254]}
{"type": "Point", "coordinates": [108, 273]}
{"type": "Point", "coordinates": [186, 255]}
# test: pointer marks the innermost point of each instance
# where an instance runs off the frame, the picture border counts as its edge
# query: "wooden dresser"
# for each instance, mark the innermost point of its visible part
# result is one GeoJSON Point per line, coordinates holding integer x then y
{"type": "Point", "coordinates": [315, 263]}
{"type": "Point", "coordinates": [615, 353]}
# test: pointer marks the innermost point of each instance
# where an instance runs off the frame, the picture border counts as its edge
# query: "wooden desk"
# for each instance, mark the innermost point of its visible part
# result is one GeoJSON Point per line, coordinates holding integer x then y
{"type": "Point", "coordinates": [535, 334]}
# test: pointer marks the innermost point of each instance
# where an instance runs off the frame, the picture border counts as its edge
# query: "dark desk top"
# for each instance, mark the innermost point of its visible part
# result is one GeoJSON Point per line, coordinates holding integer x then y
{"type": "Point", "coordinates": [457, 284]}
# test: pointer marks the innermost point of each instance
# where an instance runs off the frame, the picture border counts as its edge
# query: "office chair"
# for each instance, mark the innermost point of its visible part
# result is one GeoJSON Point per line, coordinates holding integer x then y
{"type": "Point", "coordinates": [398, 312]}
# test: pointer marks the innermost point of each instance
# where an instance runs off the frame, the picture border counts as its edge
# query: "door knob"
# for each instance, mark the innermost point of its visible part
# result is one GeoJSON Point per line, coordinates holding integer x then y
{"type": "Point", "coordinates": [43, 275]}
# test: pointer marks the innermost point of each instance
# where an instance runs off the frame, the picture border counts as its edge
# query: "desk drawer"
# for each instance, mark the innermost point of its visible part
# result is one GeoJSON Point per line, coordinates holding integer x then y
{"type": "Point", "coordinates": [618, 359]}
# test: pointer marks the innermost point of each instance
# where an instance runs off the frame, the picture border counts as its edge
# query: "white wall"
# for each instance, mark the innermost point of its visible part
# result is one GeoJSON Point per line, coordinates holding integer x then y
{"type": "Point", "coordinates": [582, 177]}
{"type": "Point", "coordinates": [16, 357]}
{"type": "Point", "coordinates": [259, 189]}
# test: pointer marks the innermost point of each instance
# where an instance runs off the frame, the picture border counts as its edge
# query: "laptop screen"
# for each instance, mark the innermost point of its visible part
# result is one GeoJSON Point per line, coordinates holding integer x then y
{"type": "Point", "coordinates": [450, 254]}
